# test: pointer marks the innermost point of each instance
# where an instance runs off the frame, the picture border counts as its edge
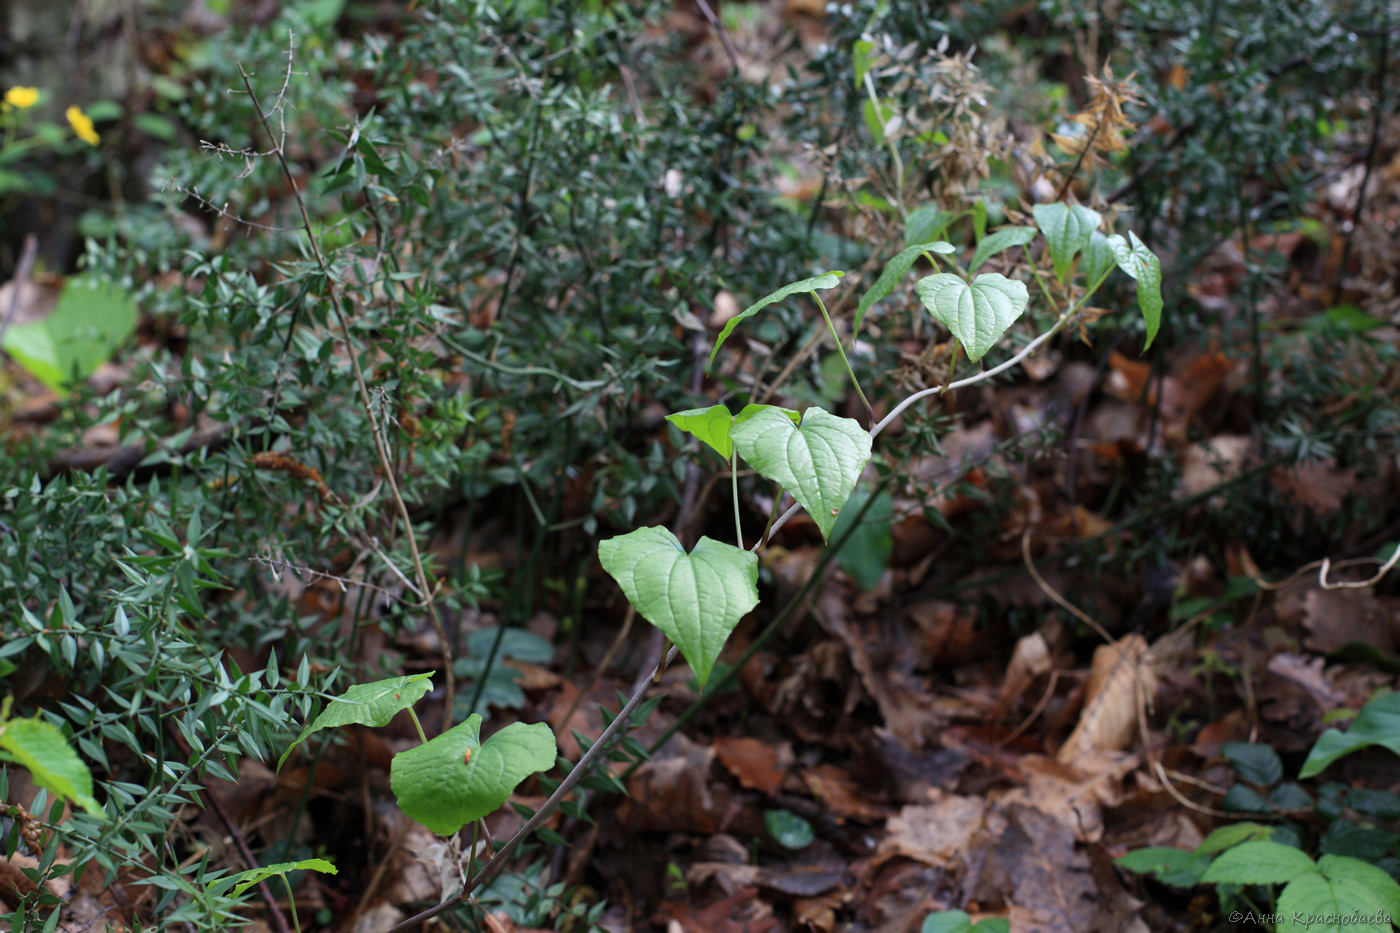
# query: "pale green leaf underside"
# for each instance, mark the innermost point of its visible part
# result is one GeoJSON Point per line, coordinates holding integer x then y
{"type": "Point", "coordinates": [1067, 229]}
{"type": "Point", "coordinates": [977, 314]}
{"type": "Point", "coordinates": [999, 242]}
{"type": "Point", "coordinates": [818, 461]}
{"type": "Point", "coordinates": [1262, 862]}
{"type": "Point", "coordinates": [696, 599]}
{"type": "Point", "coordinates": [894, 271]}
{"type": "Point", "coordinates": [41, 747]}
{"type": "Point", "coordinates": [825, 280]}
{"type": "Point", "coordinates": [1134, 258]}
{"type": "Point", "coordinates": [455, 778]}
{"type": "Point", "coordinates": [372, 704]}
{"type": "Point", "coordinates": [246, 879]}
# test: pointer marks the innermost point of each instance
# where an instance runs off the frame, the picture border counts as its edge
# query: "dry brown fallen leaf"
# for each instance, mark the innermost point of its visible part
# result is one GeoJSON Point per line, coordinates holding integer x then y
{"type": "Point", "coordinates": [1119, 681]}
{"type": "Point", "coordinates": [755, 764]}
{"type": "Point", "coordinates": [937, 833]}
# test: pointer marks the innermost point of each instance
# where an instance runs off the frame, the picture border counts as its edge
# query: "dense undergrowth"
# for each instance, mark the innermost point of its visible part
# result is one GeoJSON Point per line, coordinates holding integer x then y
{"type": "Point", "coordinates": [392, 447]}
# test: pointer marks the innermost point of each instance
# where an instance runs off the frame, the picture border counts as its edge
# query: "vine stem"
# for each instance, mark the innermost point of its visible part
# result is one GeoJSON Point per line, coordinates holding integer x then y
{"type": "Point", "coordinates": [381, 451]}
{"type": "Point", "coordinates": [734, 484]}
{"type": "Point", "coordinates": [983, 376]}
{"type": "Point", "coordinates": [497, 862]}
{"type": "Point", "coordinates": [844, 362]}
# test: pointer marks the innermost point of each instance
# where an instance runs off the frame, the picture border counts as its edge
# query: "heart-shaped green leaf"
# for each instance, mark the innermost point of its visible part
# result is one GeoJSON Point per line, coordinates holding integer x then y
{"type": "Point", "coordinates": [1098, 260]}
{"type": "Point", "coordinates": [712, 425]}
{"type": "Point", "coordinates": [818, 461]}
{"type": "Point", "coordinates": [41, 747]}
{"type": "Point", "coordinates": [894, 271]}
{"type": "Point", "coordinates": [977, 314]}
{"type": "Point", "coordinates": [456, 778]}
{"type": "Point", "coordinates": [999, 242]}
{"type": "Point", "coordinates": [372, 704]}
{"type": "Point", "coordinates": [91, 320]}
{"type": "Point", "coordinates": [1067, 228]}
{"type": "Point", "coordinates": [695, 598]}
{"type": "Point", "coordinates": [826, 280]}
{"type": "Point", "coordinates": [1134, 258]}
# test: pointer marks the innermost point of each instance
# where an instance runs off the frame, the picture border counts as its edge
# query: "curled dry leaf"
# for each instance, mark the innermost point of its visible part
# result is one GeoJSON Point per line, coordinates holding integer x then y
{"type": "Point", "coordinates": [936, 833]}
{"type": "Point", "coordinates": [1029, 660]}
{"type": "Point", "coordinates": [1118, 682]}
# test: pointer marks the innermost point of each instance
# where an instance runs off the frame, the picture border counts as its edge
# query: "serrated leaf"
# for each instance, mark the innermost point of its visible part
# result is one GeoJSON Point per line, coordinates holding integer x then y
{"type": "Point", "coordinates": [977, 314]}
{"type": "Point", "coordinates": [894, 271]}
{"type": "Point", "coordinates": [1175, 867]}
{"type": "Point", "coordinates": [90, 321]}
{"type": "Point", "coordinates": [1255, 762]}
{"type": "Point", "coordinates": [1373, 877]}
{"type": "Point", "coordinates": [710, 425]}
{"type": "Point", "coordinates": [1098, 260]}
{"type": "Point", "coordinates": [246, 879]}
{"type": "Point", "coordinates": [1260, 862]}
{"type": "Point", "coordinates": [1134, 258]}
{"type": "Point", "coordinates": [1067, 229]}
{"type": "Point", "coordinates": [54, 766]}
{"type": "Point", "coordinates": [696, 599]}
{"type": "Point", "coordinates": [1314, 904]}
{"type": "Point", "coordinates": [926, 223]}
{"type": "Point", "coordinates": [818, 461]}
{"type": "Point", "coordinates": [826, 280]}
{"type": "Point", "coordinates": [999, 242]}
{"type": "Point", "coordinates": [456, 778]}
{"type": "Point", "coordinates": [372, 704]}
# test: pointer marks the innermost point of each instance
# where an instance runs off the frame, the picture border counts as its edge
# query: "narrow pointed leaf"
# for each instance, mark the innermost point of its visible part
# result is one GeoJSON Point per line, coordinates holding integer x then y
{"type": "Point", "coordinates": [818, 461]}
{"type": "Point", "coordinates": [456, 778]}
{"type": "Point", "coordinates": [977, 314]}
{"type": "Point", "coordinates": [696, 599]}
{"type": "Point", "coordinates": [1134, 258]}
{"type": "Point", "coordinates": [999, 242]}
{"type": "Point", "coordinates": [826, 280]}
{"type": "Point", "coordinates": [894, 271]}
{"type": "Point", "coordinates": [246, 879]}
{"type": "Point", "coordinates": [41, 747]}
{"type": "Point", "coordinates": [710, 425]}
{"type": "Point", "coordinates": [1067, 229]}
{"type": "Point", "coordinates": [372, 704]}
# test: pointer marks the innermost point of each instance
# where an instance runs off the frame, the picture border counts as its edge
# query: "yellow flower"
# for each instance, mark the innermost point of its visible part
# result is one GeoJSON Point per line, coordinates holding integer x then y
{"type": "Point", "coordinates": [22, 97]}
{"type": "Point", "coordinates": [82, 125]}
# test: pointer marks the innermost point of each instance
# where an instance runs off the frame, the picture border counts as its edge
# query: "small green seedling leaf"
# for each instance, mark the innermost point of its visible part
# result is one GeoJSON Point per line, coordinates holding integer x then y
{"type": "Point", "coordinates": [1262, 862]}
{"type": "Point", "coordinates": [894, 271]}
{"type": "Point", "coordinates": [958, 921]}
{"type": "Point", "coordinates": [1255, 762]}
{"type": "Point", "coordinates": [696, 599]}
{"type": "Point", "coordinates": [456, 778]}
{"type": "Point", "coordinates": [90, 321]}
{"type": "Point", "coordinates": [372, 704]}
{"type": "Point", "coordinates": [926, 223]}
{"type": "Point", "coordinates": [710, 425]}
{"type": "Point", "coordinates": [878, 117]}
{"type": "Point", "coordinates": [1134, 258]}
{"type": "Point", "coordinates": [818, 461]}
{"type": "Point", "coordinates": [1232, 834]}
{"type": "Point", "coordinates": [788, 829]}
{"type": "Point", "coordinates": [1098, 260]}
{"type": "Point", "coordinates": [41, 747]}
{"type": "Point", "coordinates": [977, 314]}
{"type": "Point", "coordinates": [824, 281]}
{"type": "Point", "coordinates": [1067, 229]}
{"type": "Point", "coordinates": [1378, 723]}
{"type": "Point", "coordinates": [999, 242]}
{"type": "Point", "coordinates": [246, 879]}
